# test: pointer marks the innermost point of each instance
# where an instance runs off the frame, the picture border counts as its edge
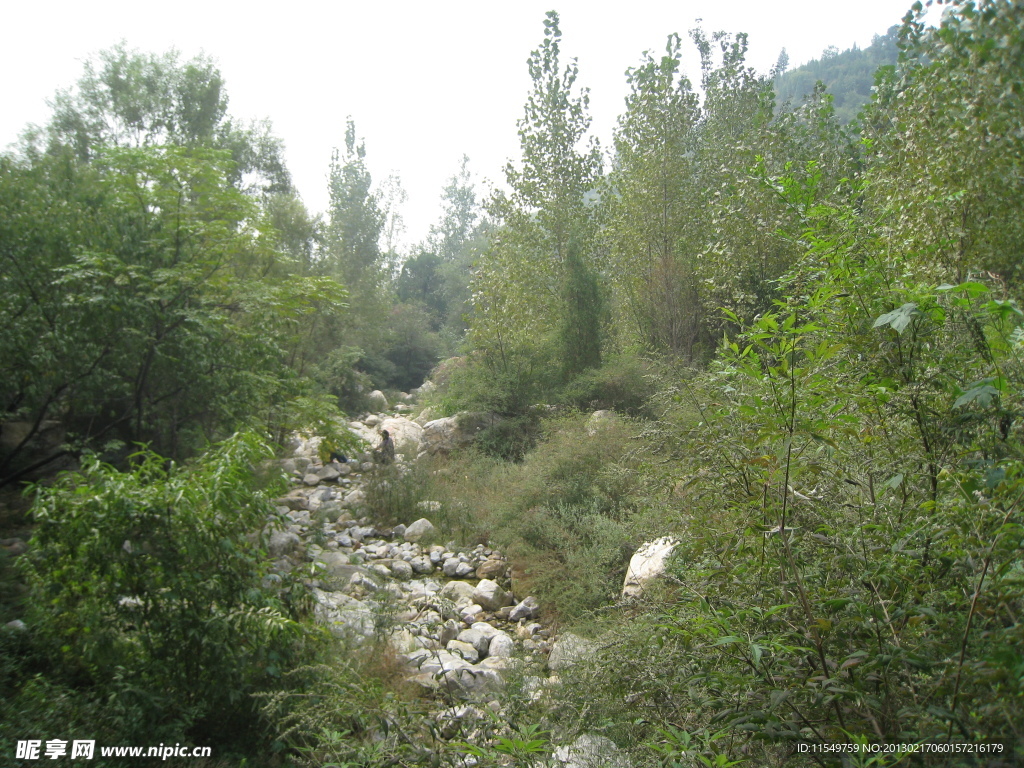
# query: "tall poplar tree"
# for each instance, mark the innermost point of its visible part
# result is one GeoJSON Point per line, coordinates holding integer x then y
{"type": "Point", "coordinates": [533, 280]}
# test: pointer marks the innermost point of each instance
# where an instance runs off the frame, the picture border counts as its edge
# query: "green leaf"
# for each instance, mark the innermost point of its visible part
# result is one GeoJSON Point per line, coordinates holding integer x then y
{"type": "Point", "coordinates": [899, 318]}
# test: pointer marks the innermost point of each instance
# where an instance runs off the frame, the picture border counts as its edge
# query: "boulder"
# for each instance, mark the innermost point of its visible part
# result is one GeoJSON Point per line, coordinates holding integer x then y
{"type": "Point", "coordinates": [355, 498]}
{"type": "Point", "coordinates": [407, 434]}
{"type": "Point", "coordinates": [477, 638]}
{"type": "Point", "coordinates": [401, 569]}
{"type": "Point", "coordinates": [646, 565]}
{"type": "Point", "coordinates": [426, 388]}
{"type": "Point", "coordinates": [528, 609]}
{"type": "Point", "coordinates": [590, 751]}
{"type": "Point", "coordinates": [491, 569]}
{"type": "Point", "coordinates": [422, 564]}
{"type": "Point", "coordinates": [377, 401]}
{"type": "Point", "coordinates": [327, 472]}
{"type": "Point", "coordinates": [419, 530]}
{"type": "Point", "coordinates": [425, 416]}
{"type": "Point", "coordinates": [501, 646]}
{"type": "Point", "coordinates": [283, 543]}
{"type": "Point", "coordinates": [442, 436]}
{"type": "Point", "coordinates": [599, 421]}
{"type": "Point", "coordinates": [465, 650]}
{"type": "Point", "coordinates": [457, 591]}
{"type": "Point", "coordinates": [490, 595]}
{"type": "Point", "coordinates": [344, 615]}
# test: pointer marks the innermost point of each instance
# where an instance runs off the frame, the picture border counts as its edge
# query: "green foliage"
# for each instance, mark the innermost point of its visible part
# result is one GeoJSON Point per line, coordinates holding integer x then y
{"type": "Point", "coordinates": [150, 300]}
{"type": "Point", "coordinates": [131, 100]}
{"type": "Point", "coordinates": [624, 383]}
{"type": "Point", "coordinates": [525, 747]}
{"type": "Point", "coordinates": [539, 275]}
{"type": "Point", "coordinates": [947, 144]}
{"type": "Point", "coordinates": [146, 589]}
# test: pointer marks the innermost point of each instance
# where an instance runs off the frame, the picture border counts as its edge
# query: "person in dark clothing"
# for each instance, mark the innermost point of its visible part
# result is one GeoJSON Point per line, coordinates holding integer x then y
{"type": "Point", "coordinates": [339, 457]}
{"type": "Point", "coordinates": [385, 453]}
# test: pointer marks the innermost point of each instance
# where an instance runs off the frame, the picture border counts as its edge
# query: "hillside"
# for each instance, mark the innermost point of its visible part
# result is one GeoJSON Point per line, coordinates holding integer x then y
{"type": "Point", "coordinates": [848, 75]}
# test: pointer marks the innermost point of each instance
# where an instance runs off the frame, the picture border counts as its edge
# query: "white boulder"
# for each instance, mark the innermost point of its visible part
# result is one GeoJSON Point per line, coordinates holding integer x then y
{"type": "Point", "coordinates": [646, 565]}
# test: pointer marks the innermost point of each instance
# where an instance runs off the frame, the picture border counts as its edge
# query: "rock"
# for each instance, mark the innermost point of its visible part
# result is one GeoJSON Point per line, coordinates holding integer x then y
{"type": "Point", "coordinates": [490, 595]}
{"type": "Point", "coordinates": [407, 434]}
{"type": "Point", "coordinates": [529, 608]}
{"type": "Point", "coordinates": [372, 420]}
{"type": "Point", "coordinates": [646, 565]}
{"type": "Point", "coordinates": [283, 543]}
{"type": "Point", "coordinates": [344, 615]}
{"type": "Point", "coordinates": [328, 472]}
{"type": "Point", "coordinates": [355, 498]}
{"type": "Point", "coordinates": [570, 649]}
{"type": "Point", "coordinates": [16, 626]}
{"type": "Point", "coordinates": [295, 500]}
{"type": "Point", "coordinates": [464, 570]}
{"type": "Point", "coordinates": [599, 421]}
{"type": "Point", "coordinates": [479, 639]}
{"type": "Point", "coordinates": [449, 566]}
{"type": "Point", "coordinates": [427, 415]}
{"type": "Point", "coordinates": [420, 530]}
{"type": "Point", "coordinates": [311, 479]}
{"type": "Point", "coordinates": [491, 569]}
{"type": "Point", "coordinates": [381, 570]}
{"type": "Point", "coordinates": [465, 650]}
{"type": "Point", "coordinates": [501, 646]}
{"type": "Point", "coordinates": [471, 613]}
{"type": "Point", "coordinates": [404, 641]}
{"type": "Point", "coordinates": [338, 571]}
{"type": "Point", "coordinates": [422, 564]}
{"type": "Point", "coordinates": [458, 590]}
{"type": "Point", "coordinates": [377, 400]}
{"type": "Point", "coordinates": [590, 751]}
{"type": "Point", "coordinates": [527, 631]}
{"type": "Point", "coordinates": [442, 436]}
{"type": "Point", "coordinates": [401, 569]}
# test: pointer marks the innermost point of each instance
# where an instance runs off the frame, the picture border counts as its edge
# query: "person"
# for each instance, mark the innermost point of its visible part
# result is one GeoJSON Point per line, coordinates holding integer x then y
{"type": "Point", "coordinates": [339, 457]}
{"type": "Point", "coordinates": [385, 453]}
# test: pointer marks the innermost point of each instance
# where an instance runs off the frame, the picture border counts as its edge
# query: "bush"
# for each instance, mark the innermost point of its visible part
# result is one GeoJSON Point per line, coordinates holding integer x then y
{"type": "Point", "coordinates": [624, 383]}
{"type": "Point", "coordinates": [146, 589]}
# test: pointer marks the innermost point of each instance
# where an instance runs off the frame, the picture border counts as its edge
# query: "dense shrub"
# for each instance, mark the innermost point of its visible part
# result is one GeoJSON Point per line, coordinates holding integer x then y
{"type": "Point", "coordinates": [624, 383]}
{"type": "Point", "coordinates": [146, 593]}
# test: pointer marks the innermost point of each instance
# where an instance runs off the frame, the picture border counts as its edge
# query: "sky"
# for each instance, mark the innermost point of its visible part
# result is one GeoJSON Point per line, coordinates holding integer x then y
{"type": "Point", "coordinates": [424, 82]}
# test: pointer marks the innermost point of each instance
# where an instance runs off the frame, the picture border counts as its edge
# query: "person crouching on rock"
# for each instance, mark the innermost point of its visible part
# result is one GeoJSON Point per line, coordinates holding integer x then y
{"type": "Point", "coordinates": [385, 452]}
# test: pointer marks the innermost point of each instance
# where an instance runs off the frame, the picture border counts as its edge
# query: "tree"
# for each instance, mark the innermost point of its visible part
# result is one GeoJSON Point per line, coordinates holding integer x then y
{"type": "Point", "coordinates": [148, 301]}
{"type": "Point", "coordinates": [449, 237]}
{"type": "Point", "coordinates": [947, 142]}
{"type": "Point", "coordinates": [522, 288]}
{"type": "Point", "coordinates": [355, 220]}
{"type": "Point", "coordinates": [130, 99]}
{"type": "Point", "coordinates": [653, 224]}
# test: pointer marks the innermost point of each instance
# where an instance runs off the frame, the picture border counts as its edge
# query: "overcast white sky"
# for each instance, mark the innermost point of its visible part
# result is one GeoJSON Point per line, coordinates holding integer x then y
{"type": "Point", "coordinates": [424, 82]}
